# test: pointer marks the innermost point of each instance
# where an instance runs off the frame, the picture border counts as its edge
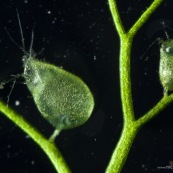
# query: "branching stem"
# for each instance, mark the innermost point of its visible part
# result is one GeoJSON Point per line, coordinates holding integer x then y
{"type": "Point", "coordinates": [131, 125]}
{"type": "Point", "coordinates": [47, 146]}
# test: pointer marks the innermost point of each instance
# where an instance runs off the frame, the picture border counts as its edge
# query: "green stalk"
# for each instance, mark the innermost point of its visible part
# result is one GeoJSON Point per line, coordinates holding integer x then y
{"type": "Point", "coordinates": [131, 126]}
{"type": "Point", "coordinates": [123, 147]}
{"type": "Point", "coordinates": [47, 146]}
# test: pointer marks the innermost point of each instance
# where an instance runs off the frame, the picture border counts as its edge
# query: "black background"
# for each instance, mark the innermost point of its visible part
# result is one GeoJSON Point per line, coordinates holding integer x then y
{"type": "Point", "coordinates": [80, 36]}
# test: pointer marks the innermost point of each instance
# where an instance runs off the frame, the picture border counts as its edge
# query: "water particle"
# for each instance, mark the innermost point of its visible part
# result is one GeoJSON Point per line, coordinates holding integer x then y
{"type": "Point", "coordinates": [9, 146]}
{"type": "Point", "coordinates": [17, 103]}
{"type": "Point", "coordinates": [91, 40]}
{"type": "Point", "coordinates": [32, 162]}
{"type": "Point", "coordinates": [92, 153]}
{"type": "Point", "coordinates": [53, 21]}
{"type": "Point", "coordinates": [62, 20]}
{"type": "Point", "coordinates": [27, 137]}
{"type": "Point", "coordinates": [49, 12]}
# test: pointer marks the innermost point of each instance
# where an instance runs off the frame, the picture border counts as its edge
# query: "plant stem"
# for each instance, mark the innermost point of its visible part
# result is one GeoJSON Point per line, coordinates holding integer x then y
{"type": "Point", "coordinates": [144, 17]}
{"type": "Point", "coordinates": [121, 152]}
{"type": "Point", "coordinates": [125, 79]}
{"type": "Point", "coordinates": [165, 101]}
{"type": "Point", "coordinates": [48, 147]}
{"type": "Point", "coordinates": [131, 126]}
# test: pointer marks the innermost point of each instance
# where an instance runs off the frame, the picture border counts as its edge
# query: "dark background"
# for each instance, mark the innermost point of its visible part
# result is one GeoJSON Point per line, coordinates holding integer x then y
{"type": "Point", "coordinates": [80, 36]}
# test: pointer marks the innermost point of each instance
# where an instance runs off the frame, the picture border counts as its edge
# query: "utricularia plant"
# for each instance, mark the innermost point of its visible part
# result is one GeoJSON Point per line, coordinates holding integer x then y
{"type": "Point", "coordinates": [65, 101]}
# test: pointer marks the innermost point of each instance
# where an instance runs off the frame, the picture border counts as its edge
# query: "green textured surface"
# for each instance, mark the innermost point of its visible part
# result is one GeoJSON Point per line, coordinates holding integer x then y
{"type": "Point", "coordinates": [62, 98]}
{"type": "Point", "coordinates": [130, 126]}
{"type": "Point", "coordinates": [166, 65]}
